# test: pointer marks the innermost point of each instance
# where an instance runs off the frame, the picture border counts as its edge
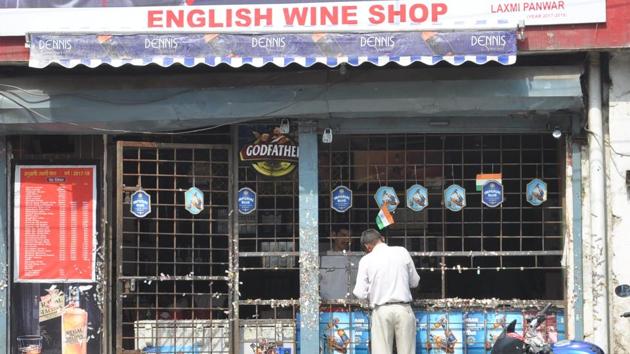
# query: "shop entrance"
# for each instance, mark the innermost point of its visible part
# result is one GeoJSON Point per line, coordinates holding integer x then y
{"type": "Point", "coordinates": [174, 267]}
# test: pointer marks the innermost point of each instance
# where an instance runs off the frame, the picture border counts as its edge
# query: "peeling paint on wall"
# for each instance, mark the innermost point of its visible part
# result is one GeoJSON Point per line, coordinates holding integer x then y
{"type": "Point", "coordinates": [618, 150]}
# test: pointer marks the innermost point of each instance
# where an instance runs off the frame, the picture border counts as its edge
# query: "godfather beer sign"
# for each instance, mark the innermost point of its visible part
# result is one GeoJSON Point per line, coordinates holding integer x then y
{"type": "Point", "coordinates": [272, 153]}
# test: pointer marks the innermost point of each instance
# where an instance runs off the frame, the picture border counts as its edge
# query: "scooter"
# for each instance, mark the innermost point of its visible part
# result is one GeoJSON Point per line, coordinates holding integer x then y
{"type": "Point", "coordinates": [532, 342]}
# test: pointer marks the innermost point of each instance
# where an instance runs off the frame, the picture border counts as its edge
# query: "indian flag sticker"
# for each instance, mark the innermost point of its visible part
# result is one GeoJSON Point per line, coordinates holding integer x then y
{"type": "Point", "coordinates": [384, 217]}
{"type": "Point", "coordinates": [484, 178]}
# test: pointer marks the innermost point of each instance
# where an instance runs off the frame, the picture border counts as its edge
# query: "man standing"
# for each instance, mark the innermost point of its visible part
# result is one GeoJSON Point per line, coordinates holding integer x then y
{"type": "Point", "coordinates": [385, 277]}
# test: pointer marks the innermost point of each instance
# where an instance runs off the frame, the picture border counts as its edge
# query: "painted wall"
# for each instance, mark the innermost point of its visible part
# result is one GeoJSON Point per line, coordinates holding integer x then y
{"type": "Point", "coordinates": [618, 158]}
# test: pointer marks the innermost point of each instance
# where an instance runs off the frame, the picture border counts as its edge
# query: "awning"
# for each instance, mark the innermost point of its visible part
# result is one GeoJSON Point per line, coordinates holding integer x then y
{"type": "Point", "coordinates": [305, 49]}
{"type": "Point", "coordinates": [112, 101]}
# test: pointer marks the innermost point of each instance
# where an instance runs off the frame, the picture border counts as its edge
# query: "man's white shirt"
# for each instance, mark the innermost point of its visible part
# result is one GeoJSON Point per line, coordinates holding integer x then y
{"type": "Point", "coordinates": [385, 275]}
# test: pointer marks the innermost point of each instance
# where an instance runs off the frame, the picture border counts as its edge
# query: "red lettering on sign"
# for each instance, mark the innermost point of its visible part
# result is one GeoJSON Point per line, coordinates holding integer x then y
{"type": "Point", "coordinates": [349, 15]}
{"type": "Point", "coordinates": [175, 18]}
{"type": "Point", "coordinates": [418, 13]}
{"type": "Point", "coordinates": [330, 15]}
{"type": "Point", "coordinates": [392, 13]}
{"type": "Point", "coordinates": [243, 18]}
{"type": "Point", "coordinates": [196, 18]}
{"type": "Point", "coordinates": [154, 18]}
{"type": "Point", "coordinates": [267, 17]}
{"type": "Point", "coordinates": [438, 9]}
{"type": "Point", "coordinates": [295, 14]}
{"type": "Point", "coordinates": [376, 14]}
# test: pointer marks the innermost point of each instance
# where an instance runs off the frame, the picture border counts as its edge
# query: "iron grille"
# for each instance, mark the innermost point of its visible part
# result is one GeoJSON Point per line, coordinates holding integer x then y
{"type": "Point", "coordinates": [174, 267]}
{"type": "Point", "coordinates": [458, 254]}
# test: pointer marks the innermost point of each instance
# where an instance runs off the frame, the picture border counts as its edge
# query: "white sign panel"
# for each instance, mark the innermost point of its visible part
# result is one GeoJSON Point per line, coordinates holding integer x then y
{"type": "Point", "coordinates": [290, 16]}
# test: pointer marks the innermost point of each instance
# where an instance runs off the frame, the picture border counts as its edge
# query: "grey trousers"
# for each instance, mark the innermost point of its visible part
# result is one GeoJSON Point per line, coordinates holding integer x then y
{"type": "Point", "coordinates": [389, 321]}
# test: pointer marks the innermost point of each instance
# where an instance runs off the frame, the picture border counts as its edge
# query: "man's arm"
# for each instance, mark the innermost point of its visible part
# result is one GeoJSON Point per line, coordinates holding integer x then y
{"type": "Point", "coordinates": [414, 278]}
{"type": "Point", "coordinates": [362, 286]}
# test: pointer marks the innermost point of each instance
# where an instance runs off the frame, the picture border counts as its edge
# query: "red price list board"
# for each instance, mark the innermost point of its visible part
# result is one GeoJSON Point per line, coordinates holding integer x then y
{"type": "Point", "coordinates": [55, 223]}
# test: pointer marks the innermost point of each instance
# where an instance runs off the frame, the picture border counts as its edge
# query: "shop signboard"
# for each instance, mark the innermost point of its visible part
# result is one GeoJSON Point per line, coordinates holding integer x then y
{"type": "Point", "coordinates": [385, 194]}
{"type": "Point", "coordinates": [306, 49]}
{"type": "Point", "coordinates": [536, 192]}
{"type": "Point", "coordinates": [455, 198]}
{"type": "Point", "coordinates": [492, 194]}
{"type": "Point", "coordinates": [417, 197]}
{"type": "Point", "coordinates": [55, 223]}
{"type": "Point", "coordinates": [246, 200]}
{"type": "Point", "coordinates": [140, 205]}
{"type": "Point", "coordinates": [282, 16]}
{"type": "Point", "coordinates": [272, 153]}
{"type": "Point", "coordinates": [341, 199]}
{"type": "Point", "coordinates": [193, 200]}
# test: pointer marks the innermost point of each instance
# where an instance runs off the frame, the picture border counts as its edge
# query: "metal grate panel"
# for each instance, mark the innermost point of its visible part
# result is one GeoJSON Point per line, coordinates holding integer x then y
{"type": "Point", "coordinates": [454, 251]}
{"type": "Point", "coordinates": [174, 267]}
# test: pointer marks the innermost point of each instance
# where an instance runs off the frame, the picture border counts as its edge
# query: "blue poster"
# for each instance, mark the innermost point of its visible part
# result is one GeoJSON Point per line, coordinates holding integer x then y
{"type": "Point", "coordinates": [475, 332]}
{"type": "Point", "coordinates": [140, 203]}
{"type": "Point", "coordinates": [417, 197]}
{"type": "Point", "coordinates": [387, 195]}
{"type": "Point", "coordinates": [246, 200]}
{"type": "Point", "coordinates": [536, 192]}
{"type": "Point", "coordinates": [344, 332]}
{"type": "Point", "coordinates": [439, 332]}
{"type": "Point", "coordinates": [193, 200]}
{"type": "Point", "coordinates": [496, 323]}
{"type": "Point", "coordinates": [341, 199]}
{"type": "Point", "coordinates": [492, 194]}
{"type": "Point", "coordinates": [455, 198]}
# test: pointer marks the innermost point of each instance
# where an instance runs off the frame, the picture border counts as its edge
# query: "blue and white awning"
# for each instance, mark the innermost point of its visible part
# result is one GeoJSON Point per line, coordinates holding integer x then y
{"type": "Point", "coordinates": [305, 49]}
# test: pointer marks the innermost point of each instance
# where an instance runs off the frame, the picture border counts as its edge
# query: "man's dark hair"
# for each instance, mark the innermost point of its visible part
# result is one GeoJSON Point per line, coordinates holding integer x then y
{"type": "Point", "coordinates": [337, 228]}
{"type": "Point", "coordinates": [370, 236]}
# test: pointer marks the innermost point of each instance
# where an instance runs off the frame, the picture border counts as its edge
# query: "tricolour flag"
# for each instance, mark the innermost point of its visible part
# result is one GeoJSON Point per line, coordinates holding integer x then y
{"type": "Point", "coordinates": [384, 217]}
{"type": "Point", "coordinates": [484, 178]}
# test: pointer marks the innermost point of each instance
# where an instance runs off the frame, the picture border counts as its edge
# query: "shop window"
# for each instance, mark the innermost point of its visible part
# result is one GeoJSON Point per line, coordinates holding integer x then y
{"type": "Point", "coordinates": [458, 254]}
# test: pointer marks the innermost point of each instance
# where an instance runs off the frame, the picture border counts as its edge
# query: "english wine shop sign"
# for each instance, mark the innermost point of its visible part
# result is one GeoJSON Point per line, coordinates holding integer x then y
{"type": "Point", "coordinates": [281, 16]}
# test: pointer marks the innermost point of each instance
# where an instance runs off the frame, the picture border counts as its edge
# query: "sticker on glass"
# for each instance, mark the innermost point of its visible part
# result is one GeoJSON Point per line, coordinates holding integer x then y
{"type": "Point", "coordinates": [536, 192]}
{"type": "Point", "coordinates": [417, 197]}
{"type": "Point", "coordinates": [341, 199]}
{"type": "Point", "coordinates": [246, 200]}
{"type": "Point", "coordinates": [492, 194]}
{"type": "Point", "coordinates": [140, 203]}
{"type": "Point", "coordinates": [193, 200]}
{"type": "Point", "coordinates": [387, 195]}
{"type": "Point", "coordinates": [455, 198]}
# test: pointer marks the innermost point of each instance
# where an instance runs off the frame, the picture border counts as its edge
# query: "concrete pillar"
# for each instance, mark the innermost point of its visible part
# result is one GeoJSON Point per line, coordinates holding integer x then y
{"type": "Point", "coordinates": [309, 251]}
{"type": "Point", "coordinates": [4, 242]}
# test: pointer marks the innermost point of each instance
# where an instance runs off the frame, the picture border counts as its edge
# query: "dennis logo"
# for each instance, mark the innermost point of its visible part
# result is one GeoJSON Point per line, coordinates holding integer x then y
{"type": "Point", "coordinates": [273, 154]}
